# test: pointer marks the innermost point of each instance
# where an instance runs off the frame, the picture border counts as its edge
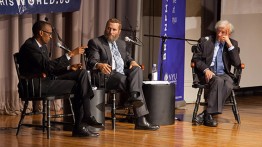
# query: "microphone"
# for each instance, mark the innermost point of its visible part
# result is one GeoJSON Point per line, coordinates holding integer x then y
{"type": "Point", "coordinates": [203, 40]}
{"type": "Point", "coordinates": [206, 38]}
{"type": "Point", "coordinates": [127, 39]}
{"type": "Point", "coordinates": [62, 47]}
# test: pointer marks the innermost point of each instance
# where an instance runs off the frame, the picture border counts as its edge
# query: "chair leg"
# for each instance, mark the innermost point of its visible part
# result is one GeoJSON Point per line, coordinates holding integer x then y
{"type": "Point", "coordinates": [44, 115]}
{"type": "Point", "coordinates": [48, 119]}
{"type": "Point", "coordinates": [199, 93]}
{"type": "Point", "coordinates": [22, 117]}
{"type": "Point", "coordinates": [54, 105]}
{"type": "Point", "coordinates": [113, 111]}
{"type": "Point", "coordinates": [130, 115]}
{"type": "Point", "coordinates": [234, 107]}
{"type": "Point", "coordinates": [72, 110]}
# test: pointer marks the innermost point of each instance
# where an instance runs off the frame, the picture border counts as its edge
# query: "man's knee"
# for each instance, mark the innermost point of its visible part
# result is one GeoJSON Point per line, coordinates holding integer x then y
{"type": "Point", "coordinates": [82, 72]}
{"type": "Point", "coordinates": [217, 80]}
{"type": "Point", "coordinates": [136, 69]}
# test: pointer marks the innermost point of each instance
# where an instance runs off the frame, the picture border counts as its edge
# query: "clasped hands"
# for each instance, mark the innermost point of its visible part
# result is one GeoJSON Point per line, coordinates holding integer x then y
{"type": "Point", "coordinates": [106, 68]}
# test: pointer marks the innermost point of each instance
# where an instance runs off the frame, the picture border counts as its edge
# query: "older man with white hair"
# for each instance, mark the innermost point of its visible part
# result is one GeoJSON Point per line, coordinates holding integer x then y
{"type": "Point", "coordinates": [213, 62]}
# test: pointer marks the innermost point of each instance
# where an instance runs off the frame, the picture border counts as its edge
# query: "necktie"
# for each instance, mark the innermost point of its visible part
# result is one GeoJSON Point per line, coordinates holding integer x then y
{"type": "Point", "coordinates": [219, 67]}
{"type": "Point", "coordinates": [117, 57]}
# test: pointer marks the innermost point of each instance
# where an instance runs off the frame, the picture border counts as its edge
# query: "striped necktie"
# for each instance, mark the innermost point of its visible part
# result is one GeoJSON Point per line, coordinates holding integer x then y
{"type": "Point", "coordinates": [117, 57]}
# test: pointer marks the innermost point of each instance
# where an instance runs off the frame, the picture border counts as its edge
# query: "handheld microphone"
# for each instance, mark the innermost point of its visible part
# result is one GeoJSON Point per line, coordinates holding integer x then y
{"type": "Point", "coordinates": [127, 39]}
{"type": "Point", "coordinates": [62, 47]}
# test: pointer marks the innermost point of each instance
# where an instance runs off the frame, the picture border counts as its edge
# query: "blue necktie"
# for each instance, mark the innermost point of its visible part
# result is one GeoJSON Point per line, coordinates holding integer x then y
{"type": "Point", "coordinates": [219, 65]}
{"type": "Point", "coordinates": [118, 60]}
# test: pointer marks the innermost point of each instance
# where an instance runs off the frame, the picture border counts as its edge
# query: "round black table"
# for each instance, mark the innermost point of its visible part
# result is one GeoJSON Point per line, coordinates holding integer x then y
{"type": "Point", "coordinates": [160, 100]}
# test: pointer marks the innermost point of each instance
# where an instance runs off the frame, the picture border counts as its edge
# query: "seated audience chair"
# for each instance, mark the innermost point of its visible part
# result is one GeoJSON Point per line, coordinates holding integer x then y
{"type": "Point", "coordinates": [231, 100]}
{"type": "Point", "coordinates": [27, 94]}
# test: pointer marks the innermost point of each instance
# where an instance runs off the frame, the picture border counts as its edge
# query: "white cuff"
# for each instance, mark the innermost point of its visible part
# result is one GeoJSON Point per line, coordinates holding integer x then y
{"type": "Point", "coordinates": [231, 48]}
{"type": "Point", "coordinates": [67, 56]}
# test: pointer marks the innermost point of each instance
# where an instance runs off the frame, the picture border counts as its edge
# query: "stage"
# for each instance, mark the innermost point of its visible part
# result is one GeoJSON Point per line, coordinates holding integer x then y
{"type": "Point", "coordinates": [182, 133]}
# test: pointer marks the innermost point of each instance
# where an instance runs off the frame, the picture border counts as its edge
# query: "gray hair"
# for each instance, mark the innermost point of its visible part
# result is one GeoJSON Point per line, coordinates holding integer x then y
{"type": "Point", "coordinates": [225, 23]}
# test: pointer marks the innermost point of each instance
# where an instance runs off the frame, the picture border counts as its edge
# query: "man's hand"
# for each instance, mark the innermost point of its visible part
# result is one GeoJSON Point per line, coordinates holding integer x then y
{"type": "Point", "coordinates": [77, 51]}
{"type": "Point", "coordinates": [75, 67]}
{"type": "Point", "coordinates": [133, 64]}
{"type": "Point", "coordinates": [104, 68]}
{"type": "Point", "coordinates": [226, 38]}
{"type": "Point", "coordinates": [208, 75]}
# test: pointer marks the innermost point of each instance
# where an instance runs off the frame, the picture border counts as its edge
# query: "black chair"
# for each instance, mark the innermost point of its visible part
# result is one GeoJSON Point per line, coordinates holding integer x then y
{"type": "Point", "coordinates": [232, 99]}
{"type": "Point", "coordinates": [27, 93]}
{"type": "Point", "coordinates": [100, 80]}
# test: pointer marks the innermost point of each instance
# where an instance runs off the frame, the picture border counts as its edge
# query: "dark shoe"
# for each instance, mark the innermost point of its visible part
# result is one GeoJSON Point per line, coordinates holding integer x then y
{"type": "Point", "coordinates": [136, 103]}
{"type": "Point", "coordinates": [199, 120]}
{"type": "Point", "coordinates": [209, 121]}
{"type": "Point", "coordinates": [91, 121]}
{"type": "Point", "coordinates": [143, 124]}
{"type": "Point", "coordinates": [82, 131]}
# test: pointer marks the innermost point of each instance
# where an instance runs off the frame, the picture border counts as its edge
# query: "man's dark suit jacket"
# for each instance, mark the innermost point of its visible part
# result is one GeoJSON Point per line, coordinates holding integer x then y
{"type": "Point", "coordinates": [204, 55]}
{"type": "Point", "coordinates": [36, 61]}
{"type": "Point", "coordinates": [99, 52]}
{"type": "Point", "coordinates": [105, 55]}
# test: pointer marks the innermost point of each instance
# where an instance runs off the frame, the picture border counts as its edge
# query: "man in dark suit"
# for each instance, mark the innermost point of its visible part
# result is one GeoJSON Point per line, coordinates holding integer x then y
{"type": "Point", "coordinates": [108, 55]}
{"type": "Point", "coordinates": [69, 78]}
{"type": "Point", "coordinates": [213, 61]}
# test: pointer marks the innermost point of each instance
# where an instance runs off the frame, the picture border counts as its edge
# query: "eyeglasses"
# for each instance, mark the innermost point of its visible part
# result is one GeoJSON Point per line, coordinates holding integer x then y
{"type": "Point", "coordinates": [49, 33]}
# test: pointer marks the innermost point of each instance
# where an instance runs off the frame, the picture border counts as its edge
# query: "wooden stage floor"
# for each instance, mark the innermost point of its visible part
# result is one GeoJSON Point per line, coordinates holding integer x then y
{"type": "Point", "coordinates": [182, 133]}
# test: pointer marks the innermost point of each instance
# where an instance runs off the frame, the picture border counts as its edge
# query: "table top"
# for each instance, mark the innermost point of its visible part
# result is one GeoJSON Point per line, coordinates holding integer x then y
{"type": "Point", "coordinates": [156, 82]}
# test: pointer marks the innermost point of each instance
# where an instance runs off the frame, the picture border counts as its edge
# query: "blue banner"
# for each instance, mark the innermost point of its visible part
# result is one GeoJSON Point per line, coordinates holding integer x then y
{"type": "Point", "coordinates": [38, 6]}
{"type": "Point", "coordinates": [172, 51]}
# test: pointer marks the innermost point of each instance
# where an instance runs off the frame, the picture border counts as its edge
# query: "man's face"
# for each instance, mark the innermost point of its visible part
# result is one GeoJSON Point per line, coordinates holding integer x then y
{"type": "Point", "coordinates": [112, 31]}
{"type": "Point", "coordinates": [46, 34]}
{"type": "Point", "coordinates": [222, 31]}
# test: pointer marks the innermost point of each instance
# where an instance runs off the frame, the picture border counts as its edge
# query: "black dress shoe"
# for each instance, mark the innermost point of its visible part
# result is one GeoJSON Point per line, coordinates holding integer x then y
{"type": "Point", "coordinates": [91, 121]}
{"type": "Point", "coordinates": [199, 120]}
{"type": "Point", "coordinates": [143, 124]}
{"type": "Point", "coordinates": [209, 121]}
{"type": "Point", "coordinates": [136, 103]}
{"type": "Point", "coordinates": [82, 131]}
